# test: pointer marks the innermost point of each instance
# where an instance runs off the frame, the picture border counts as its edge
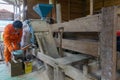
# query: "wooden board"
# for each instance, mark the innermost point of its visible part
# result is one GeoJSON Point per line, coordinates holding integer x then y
{"type": "Point", "coordinates": [86, 47]}
{"type": "Point", "coordinates": [85, 24]}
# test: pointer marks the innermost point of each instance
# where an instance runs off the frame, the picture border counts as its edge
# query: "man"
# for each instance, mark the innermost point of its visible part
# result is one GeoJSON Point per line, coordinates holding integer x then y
{"type": "Point", "coordinates": [11, 38]}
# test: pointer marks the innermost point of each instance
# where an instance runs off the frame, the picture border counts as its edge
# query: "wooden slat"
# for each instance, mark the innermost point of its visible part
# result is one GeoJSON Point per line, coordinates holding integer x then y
{"type": "Point", "coordinates": [85, 24]}
{"type": "Point", "coordinates": [86, 47]}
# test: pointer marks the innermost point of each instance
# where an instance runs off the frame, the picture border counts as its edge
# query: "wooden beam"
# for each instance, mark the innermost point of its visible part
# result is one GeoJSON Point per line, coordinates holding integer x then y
{"type": "Point", "coordinates": [108, 43]}
{"type": "Point", "coordinates": [86, 47]}
{"type": "Point", "coordinates": [85, 24]}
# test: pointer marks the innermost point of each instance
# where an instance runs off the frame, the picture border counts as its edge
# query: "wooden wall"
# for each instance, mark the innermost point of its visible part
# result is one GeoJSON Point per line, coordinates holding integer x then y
{"type": "Point", "coordinates": [30, 13]}
{"type": "Point", "coordinates": [72, 9]}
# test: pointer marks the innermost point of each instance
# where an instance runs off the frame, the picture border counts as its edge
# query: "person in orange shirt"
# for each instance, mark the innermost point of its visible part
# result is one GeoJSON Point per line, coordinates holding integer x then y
{"type": "Point", "coordinates": [11, 38]}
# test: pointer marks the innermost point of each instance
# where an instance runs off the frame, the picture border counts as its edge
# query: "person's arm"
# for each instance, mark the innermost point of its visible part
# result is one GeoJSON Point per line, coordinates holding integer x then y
{"type": "Point", "coordinates": [7, 41]}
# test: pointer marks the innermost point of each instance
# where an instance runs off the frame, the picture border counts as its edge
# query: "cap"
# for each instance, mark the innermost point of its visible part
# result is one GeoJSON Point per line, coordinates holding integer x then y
{"type": "Point", "coordinates": [17, 24]}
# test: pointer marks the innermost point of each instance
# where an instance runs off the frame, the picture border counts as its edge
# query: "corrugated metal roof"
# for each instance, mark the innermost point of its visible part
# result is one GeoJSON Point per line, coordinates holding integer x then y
{"type": "Point", "coordinates": [4, 10]}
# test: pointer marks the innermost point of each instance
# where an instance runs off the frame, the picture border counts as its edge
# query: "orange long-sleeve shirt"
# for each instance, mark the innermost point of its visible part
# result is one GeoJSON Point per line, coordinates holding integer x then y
{"type": "Point", "coordinates": [11, 37]}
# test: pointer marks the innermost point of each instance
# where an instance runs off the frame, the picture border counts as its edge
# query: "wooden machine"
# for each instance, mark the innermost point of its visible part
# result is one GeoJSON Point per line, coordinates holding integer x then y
{"type": "Point", "coordinates": [88, 47]}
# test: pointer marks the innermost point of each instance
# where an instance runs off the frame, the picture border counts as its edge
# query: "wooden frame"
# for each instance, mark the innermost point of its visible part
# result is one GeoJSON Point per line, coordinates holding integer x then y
{"type": "Point", "coordinates": [106, 24]}
{"type": "Point", "coordinates": [105, 48]}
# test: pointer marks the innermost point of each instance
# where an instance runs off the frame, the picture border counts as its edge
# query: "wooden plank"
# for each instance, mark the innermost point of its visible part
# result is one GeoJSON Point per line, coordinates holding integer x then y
{"type": "Point", "coordinates": [86, 47]}
{"type": "Point", "coordinates": [85, 24]}
{"type": "Point", "coordinates": [46, 59]}
{"type": "Point", "coordinates": [50, 45]}
{"type": "Point", "coordinates": [49, 69]}
{"type": "Point", "coordinates": [71, 59]}
{"type": "Point", "coordinates": [108, 43]}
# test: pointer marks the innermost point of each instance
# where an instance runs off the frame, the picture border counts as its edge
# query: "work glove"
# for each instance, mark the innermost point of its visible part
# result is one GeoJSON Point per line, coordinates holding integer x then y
{"type": "Point", "coordinates": [17, 52]}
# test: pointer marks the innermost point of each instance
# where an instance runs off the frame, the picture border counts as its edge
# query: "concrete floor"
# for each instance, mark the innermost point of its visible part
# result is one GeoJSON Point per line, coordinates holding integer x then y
{"type": "Point", "coordinates": [36, 75]}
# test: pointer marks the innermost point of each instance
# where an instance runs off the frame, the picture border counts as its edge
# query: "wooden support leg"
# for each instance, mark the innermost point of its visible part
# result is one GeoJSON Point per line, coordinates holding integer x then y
{"type": "Point", "coordinates": [108, 43]}
{"type": "Point", "coordinates": [58, 74]}
{"type": "Point", "coordinates": [49, 71]}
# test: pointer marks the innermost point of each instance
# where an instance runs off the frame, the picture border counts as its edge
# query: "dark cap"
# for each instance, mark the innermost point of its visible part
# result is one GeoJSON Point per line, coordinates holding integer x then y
{"type": "Point", "coordinates": [17, 24]}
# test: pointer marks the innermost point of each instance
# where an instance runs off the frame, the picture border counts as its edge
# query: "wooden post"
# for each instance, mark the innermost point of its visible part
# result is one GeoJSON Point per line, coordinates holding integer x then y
{"type": "Point", "coordinates": [14, 11]}
{"type": "Point", "coordinates": [19, 16]}
{"type": "Point", "coordinates": [24, 9]}
{"type": "Point", "coordinates": [51, 1]}
{"type": "Point", "coordinates": [91, 7]}
{"type": "Point", "coordinates": [58, 13]}
{"type": "Point", "coordinates": [108, 43]}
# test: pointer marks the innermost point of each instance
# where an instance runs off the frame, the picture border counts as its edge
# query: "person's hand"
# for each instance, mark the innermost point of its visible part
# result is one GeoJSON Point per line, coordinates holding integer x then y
{"type": "Point", "coordinates": [17, 52]}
